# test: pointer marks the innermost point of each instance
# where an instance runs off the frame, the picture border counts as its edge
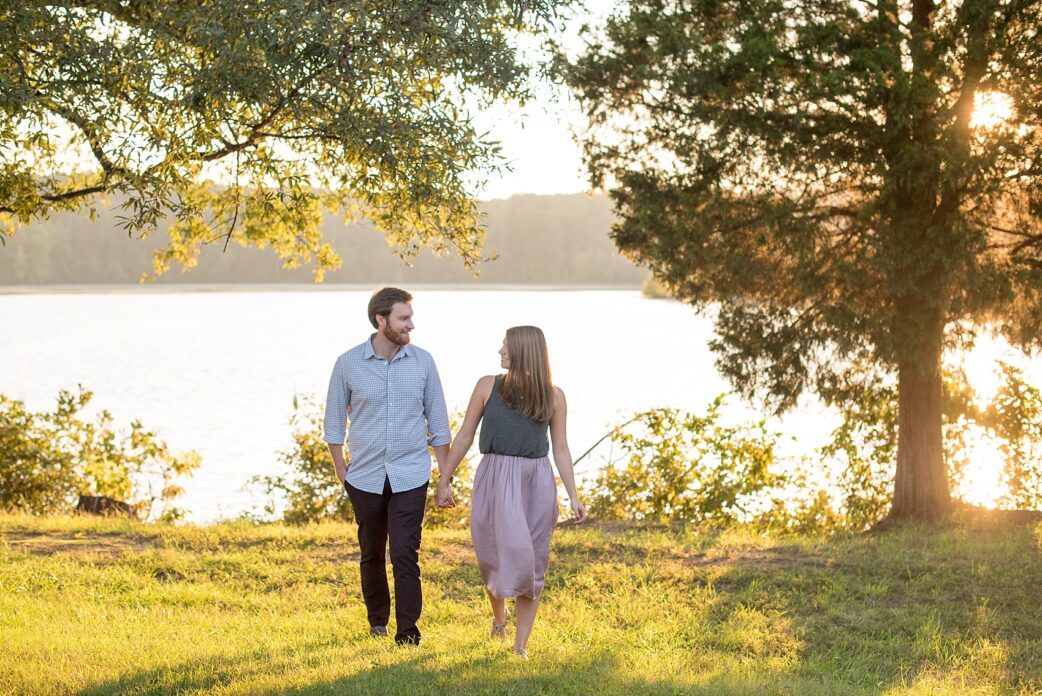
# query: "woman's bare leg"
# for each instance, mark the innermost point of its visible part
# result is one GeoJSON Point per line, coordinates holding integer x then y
{"type": "Point", "coordinates": [499, 609]}
{"type": "Point", "coordinates": [526, 609]}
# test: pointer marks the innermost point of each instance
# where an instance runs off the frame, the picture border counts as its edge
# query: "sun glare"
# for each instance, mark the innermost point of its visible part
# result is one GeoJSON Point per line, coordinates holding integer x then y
{"type": "Point", "coordinates": [981, 366]}
{"type": "Point", "coordinates": [982, 481]}
{"type": "Point", "coordinates": [990, 109]}
{"type": "Point", "coordinates": [982, 478]}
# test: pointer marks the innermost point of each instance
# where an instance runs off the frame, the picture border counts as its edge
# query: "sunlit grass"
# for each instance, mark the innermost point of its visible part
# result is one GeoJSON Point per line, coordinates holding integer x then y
{"type": "Point", "coordinates": [113, 607]}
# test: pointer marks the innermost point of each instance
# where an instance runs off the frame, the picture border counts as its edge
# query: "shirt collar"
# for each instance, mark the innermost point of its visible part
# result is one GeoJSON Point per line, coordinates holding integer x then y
{"type": "Point", "coordinates": [405, 350]}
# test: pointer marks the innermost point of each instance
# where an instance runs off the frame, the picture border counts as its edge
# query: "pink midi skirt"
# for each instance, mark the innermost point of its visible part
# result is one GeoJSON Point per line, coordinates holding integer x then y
{"type": "Point", "coordinates": [513, 515]}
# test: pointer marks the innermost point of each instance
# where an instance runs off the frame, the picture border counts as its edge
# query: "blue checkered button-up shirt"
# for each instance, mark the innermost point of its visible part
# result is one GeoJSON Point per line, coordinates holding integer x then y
{"type": "Point", "coordinates": [397, 409]}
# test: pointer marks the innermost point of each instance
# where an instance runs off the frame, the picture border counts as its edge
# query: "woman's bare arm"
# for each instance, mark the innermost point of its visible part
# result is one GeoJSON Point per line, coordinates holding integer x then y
{"type": "Point", "coordinates": [464, 438]}
{"type": "Point", "coordinates": [562, 454]}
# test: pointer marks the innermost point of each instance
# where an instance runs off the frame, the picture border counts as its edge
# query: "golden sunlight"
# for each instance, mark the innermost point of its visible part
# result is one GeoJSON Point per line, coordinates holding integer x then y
{"type": "Point", "coordinates": [981, 365]}
{"type": "Point", "coordinates": [982, 478]}
{"type": "Point", "coordinates": [982, 482]}
{"type": "Point", "coordinates": [990, 109]}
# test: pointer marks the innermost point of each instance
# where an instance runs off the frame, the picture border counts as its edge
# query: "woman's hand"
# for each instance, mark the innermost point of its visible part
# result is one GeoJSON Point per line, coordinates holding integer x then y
{"type": "Point", "coordinates": [579, 510]}
{"type": "Point", "coordinates": [443, 497]}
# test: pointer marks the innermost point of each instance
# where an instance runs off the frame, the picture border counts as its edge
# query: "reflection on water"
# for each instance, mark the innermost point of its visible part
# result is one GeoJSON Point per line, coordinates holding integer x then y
{"type": "Point", "coordinates": [217, 371]}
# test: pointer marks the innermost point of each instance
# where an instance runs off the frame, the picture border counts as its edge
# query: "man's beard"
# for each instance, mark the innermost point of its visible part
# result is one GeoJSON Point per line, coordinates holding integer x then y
{"type": "Point", "coordinates": [399, 338]}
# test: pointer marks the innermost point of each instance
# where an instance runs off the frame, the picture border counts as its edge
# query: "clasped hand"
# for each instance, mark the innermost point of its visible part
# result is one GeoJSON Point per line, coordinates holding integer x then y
{"type": "Point", "coordinates": [443, 496]}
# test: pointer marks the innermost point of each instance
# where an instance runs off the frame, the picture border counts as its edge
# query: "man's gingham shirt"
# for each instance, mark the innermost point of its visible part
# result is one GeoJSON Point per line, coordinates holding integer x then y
{"type": "Point", "coordinates": [397, 409]}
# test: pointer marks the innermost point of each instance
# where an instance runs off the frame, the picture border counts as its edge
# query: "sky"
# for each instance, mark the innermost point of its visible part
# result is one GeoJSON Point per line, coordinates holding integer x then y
{"type": "Point", "coordinates": [537, 140]}
{"type": "Point", "coordinates": [538, 146]}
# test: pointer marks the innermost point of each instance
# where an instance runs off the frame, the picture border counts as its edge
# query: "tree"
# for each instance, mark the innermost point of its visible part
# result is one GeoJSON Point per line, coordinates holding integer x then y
{"type": "Point", "coordinates": [240, 120]}
{"type": "Point", "coordinates": [814, 169]}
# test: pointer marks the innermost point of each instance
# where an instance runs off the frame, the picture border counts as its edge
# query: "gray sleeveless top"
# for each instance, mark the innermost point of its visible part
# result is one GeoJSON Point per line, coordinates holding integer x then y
{"type": "Point", "coordinates": [506, 431]}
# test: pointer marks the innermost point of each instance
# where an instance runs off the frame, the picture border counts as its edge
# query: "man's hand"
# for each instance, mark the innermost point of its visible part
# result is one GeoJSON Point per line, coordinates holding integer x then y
{"type": "Point", "coordinates": [336, 452]}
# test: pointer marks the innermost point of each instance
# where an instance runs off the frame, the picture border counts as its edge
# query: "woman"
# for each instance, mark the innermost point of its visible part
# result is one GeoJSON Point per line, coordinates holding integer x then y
{"type": "Point", "coordinates": [514, 504]}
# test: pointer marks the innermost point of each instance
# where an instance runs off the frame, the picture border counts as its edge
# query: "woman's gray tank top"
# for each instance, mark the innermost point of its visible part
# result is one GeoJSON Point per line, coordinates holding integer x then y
{"type": "Point", "coordinates": [507, 431]}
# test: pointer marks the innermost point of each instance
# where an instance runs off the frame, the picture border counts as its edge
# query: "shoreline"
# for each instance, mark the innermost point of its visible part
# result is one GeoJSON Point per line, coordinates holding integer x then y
{"type": "Point", "coordinates": [130, 289]}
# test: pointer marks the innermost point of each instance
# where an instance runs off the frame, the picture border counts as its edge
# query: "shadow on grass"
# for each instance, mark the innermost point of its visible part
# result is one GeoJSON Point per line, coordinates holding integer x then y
{"type": "Point", "coordinates": [215, 672]}
{"type": "Point", "coordinates": [416, 672]}
{"type": "Point", "coordinates": [956, 606]}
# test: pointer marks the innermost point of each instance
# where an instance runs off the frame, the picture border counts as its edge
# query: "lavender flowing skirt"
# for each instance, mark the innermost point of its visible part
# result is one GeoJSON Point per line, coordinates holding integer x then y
{"type": "Point", "coordinates": [513, 514]}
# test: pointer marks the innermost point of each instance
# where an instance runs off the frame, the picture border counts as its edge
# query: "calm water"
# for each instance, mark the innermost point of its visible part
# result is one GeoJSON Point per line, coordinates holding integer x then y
{"type": "Point", "coordinates": [216, 371]}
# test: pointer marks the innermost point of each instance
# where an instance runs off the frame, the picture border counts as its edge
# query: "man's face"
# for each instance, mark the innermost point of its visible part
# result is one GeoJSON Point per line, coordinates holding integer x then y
{"type": "Point", "coordinates": [396, 327]}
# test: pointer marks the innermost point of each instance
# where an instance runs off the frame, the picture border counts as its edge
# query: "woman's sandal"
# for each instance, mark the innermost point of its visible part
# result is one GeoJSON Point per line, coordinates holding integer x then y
{"type": "Point", "coordinates": [521, 654]}
{"type": "Point", "coordinates": [499, 630]}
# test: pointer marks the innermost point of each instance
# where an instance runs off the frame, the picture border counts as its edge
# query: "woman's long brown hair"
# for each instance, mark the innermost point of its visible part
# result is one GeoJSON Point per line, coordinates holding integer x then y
{"type": "Point", "coordinates": [527, 386]}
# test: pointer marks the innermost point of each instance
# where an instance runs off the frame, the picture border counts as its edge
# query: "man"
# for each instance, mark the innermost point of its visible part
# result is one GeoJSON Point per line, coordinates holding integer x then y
{"type": "Point", "coordinates": [394, 396]}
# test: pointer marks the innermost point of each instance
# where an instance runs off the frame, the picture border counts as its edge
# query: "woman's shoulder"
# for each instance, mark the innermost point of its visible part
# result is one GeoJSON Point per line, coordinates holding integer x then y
{"type": "Point", "coordinates": [559, 400]}
{"type": "Point", "coordinates": [485, 385]}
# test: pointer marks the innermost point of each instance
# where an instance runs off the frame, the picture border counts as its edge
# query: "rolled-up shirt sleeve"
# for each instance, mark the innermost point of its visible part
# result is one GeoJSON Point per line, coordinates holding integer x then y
{"type": "Point", "coordinates": [434, 409]}
{"type": "Point", "coordinates": [337, 399]}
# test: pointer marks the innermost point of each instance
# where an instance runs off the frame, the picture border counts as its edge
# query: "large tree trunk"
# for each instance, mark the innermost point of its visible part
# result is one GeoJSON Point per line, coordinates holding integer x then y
{"type": "Point", "coordinates": [921, 482]}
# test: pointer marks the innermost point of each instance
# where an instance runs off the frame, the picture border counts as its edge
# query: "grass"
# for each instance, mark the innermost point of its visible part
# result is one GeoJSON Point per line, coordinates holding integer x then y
{"type": "Point", "coordinates": [104, 606]}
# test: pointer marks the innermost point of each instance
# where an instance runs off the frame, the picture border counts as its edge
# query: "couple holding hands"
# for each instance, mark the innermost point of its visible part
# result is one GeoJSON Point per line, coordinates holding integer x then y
{"type": "Point", "coordinates": [397, 408]}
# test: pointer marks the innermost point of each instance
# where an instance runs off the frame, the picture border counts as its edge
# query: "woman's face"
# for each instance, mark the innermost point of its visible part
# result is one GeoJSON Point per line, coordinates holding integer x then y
{"type": "Point", "coordinates": [504, 357]}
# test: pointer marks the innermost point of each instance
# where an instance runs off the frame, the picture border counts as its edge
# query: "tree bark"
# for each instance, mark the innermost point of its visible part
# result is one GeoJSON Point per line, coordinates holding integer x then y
{"type": "Point", "coordinates": [921, 481]}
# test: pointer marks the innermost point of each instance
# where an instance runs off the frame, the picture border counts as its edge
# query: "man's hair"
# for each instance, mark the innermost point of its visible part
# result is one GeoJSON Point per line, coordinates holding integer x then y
{"type": "Point", "coordinates": [383, 300]}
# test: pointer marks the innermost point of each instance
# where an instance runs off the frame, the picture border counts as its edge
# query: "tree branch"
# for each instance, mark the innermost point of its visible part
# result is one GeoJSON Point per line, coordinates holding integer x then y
{"type": "Point", "coordinates": [257, 132]}
{"type": "Point", "coordinates": [63, 196]}
{"type": "Point", "coordinates": [107, 165]}
{"type": "Point", "coordinates": [1031, 241]}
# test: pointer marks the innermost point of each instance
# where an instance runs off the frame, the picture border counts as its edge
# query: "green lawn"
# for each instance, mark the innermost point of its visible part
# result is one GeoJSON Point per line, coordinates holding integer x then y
{"type": "Point", "coordinates": [105, 606]}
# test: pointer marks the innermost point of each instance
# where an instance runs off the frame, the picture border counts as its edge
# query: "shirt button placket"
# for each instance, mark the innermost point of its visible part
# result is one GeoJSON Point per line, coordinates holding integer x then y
{"type": "Point", "coordinates": [387, 420]}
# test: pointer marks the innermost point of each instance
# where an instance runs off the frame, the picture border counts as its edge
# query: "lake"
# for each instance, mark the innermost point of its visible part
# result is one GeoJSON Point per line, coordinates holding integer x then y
{"type": "Point", "coordinates": [216, 370]}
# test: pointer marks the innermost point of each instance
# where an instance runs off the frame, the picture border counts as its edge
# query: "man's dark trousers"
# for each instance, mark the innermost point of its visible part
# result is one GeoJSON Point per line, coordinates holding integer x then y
{"type": "Point", "coordinates": [397, 517]}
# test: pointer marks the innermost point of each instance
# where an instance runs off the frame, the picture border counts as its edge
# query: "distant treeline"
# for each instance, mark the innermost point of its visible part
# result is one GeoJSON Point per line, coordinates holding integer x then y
{"type": "Point", "coordinates": [559, 239]}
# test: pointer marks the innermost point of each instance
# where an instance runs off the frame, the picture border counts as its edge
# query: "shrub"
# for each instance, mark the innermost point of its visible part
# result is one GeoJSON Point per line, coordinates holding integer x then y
{"type": "Point", "coordinates": [862, 453]}
{"type": "Point", "coordinates": [1015, 416]}
{"type": "Point", "coordinates": [310, 491]}
{"type": "Point", "coordinates": [653, 289]}
{"type": "Point", "coordinates": [50, 459]}
{"type": "Point", "coordinates": [681, 467]}
{"type": "Point", "coordinates": [865, 444]}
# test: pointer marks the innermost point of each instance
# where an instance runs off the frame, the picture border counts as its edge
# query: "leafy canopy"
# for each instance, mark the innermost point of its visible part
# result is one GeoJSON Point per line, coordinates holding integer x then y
{"type": "Point", "coordinates": [241, 120]}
